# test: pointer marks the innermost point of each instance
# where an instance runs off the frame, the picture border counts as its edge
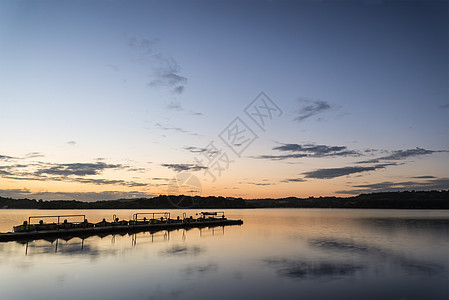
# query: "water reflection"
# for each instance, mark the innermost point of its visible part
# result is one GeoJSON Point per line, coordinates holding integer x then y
{"type": "Point", "coordinates": [297, 254]}
{"type": "Point", "coordinates": [373, 255]}
{"type": "Point", "coordinates": [75, 245]}
{"type": "Point", "coordinates": [182, 250]}
{"type": "Point", "coordinates": [305, 269]}
{"type": "Point", "coordinates": [201, 270]}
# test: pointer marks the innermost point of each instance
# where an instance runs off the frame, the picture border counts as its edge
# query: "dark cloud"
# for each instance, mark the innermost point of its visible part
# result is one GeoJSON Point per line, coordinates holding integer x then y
{"type": "Point", "coordinates": [402, 154]}
{"type": "Point", "coordinates": [338, 172]}
{"type": "Point", "coordinates": [290, 180]}
{"type": "Point", "coordinates": [309, 150]}
{"type": "Point", "coordinates": [78, 169]}
{"type": "Point", "coordinates": [3, 172]}
{"type": "Point", "coordinates": [388, 186]}
{"type": "Point", "coordinates": [5, 157]}
{"type": "Point", "coordinates": [444, 106]}
{"type": "Point", "coordinates": [184, 167]}
{"type": "Point", "coordinates": [424, 177]}
{"type": "Point", "coordinates": [317, 150]}
{"type": "Point", "coordinates": [100, 181]}
{"type": "Point", "coordinates": [311, 108]}
{"type": "Point", "coordinates": [165, 70]}
{"type": "Point", "coordinates": [195, 149]}
{"type": "Point", "coordinates": [281, 157]}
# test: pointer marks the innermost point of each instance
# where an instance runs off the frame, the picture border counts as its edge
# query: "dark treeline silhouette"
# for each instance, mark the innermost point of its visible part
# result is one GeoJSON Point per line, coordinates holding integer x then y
{"type": "Point", "coordinates": [388, 200]}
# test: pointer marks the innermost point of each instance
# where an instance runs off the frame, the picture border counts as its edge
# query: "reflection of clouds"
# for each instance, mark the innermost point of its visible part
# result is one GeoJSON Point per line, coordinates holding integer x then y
{"type": "Point", "coordinates": [373, 254]}
{"type": "Point", "coordinates": [434, 227]}
{"type": "Point", "coordinates": [312, 269]}
{"type": "Point", "coordinates": [201, 270]}
{"type": "Point", "coordinates": [182, 250]}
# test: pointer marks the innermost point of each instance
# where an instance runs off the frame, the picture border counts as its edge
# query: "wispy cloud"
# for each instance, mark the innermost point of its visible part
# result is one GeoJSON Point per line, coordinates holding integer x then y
{"type": "Point", "coordinates": [6, 157]}
{"type": "Point", "coordinates": [71, 143]}
{"type": "Point", "coordinates": [444, 106]}
{"type": "Point", "coordinates": [33, 155]}
{"type": "Point", "coordinates": [310, 108]}
{"type": "Point", "coordinates": [388, 186]}
{"type": "Point", "coordinates": [184, 167]}
{"type": "Point", "coordinates": [79, 169]}
{"type": "Point", "coordinates": [290, 180]}
{"type": "Point", "coordinates": [165, 70]}
{"type": "Point", "coordinates": [195, 149]}
{"type": "Point", "coordinates": [338, 172]}
{"type": "Point", "coordinates": [177, 129]}
{"type": "Point", "coordinates": [309, 150]}
{"type": "Point", "coordinates": [176, 106]}
{"type": "Point", "coordinates": [402, 154]}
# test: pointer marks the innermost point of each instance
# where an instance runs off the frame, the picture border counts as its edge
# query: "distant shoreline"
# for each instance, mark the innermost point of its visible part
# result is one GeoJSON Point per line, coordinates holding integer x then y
{"type": "Point", "coordinates": [386, 200]}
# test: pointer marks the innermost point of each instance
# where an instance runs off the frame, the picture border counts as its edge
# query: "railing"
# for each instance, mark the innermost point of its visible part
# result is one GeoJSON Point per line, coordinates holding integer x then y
{"type": "Point", "coordinates": [59, 217]}
{"type": "Point", "coordinates": [166, 215]}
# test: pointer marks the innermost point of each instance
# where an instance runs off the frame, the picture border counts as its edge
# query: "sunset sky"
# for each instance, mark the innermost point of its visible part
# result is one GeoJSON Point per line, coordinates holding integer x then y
{"type": "Point", "coordinates": [254, 99]}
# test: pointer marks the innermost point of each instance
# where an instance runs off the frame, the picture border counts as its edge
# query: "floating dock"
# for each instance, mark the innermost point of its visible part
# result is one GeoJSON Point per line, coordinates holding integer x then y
{"type": "Point", "coordinates": [41, 230]}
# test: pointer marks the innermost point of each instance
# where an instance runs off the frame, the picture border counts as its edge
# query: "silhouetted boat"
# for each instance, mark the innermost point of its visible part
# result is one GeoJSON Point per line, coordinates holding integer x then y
{"type": "Point", "coordinates": [140, 222]}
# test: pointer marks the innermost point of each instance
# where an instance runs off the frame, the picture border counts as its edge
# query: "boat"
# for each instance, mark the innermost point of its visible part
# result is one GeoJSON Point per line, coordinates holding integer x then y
{"type": "Point", "coordinates": [61, 227]}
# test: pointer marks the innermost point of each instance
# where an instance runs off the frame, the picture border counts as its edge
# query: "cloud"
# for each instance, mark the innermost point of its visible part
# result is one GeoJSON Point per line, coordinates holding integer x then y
{"type": "Point", "coordinates": [6, 157]}
{"type": "Point", "coordinates": [256, 183]}
{"type": "Point", "coordinates": [33, 155]}
{"type": "Point", "coordinates": [311, 108]}
{"type": "Point", "coordinates": [402, 154]}
{"type": "Point", "coordinates": [195, 149]}
{"type": "Point", "coordinates": [79, 169]}
{"type": "Point", "coordinates": [81, 196]}
{"type": "Point", "coordinates": [100, 181]}
{"type": "Point", "coordinates": [444, 106]}
{"type": "Point", "coordinates": [184, 167]}
{"type": "Point", "coordinates": [309, 150]}
{"type": "Point", "coordinates": [72, 143]}
{"type": "Point", "coordinates": [72, 172]}
{"type": "Point", "coordinates": [388, 186]}
{"type": "Point", "coordinates": [290, 180]}
{"type": "Point", "coordinates": [165, 70]}
{"type": "Point", "coordinates": [424, 177]}
{"type": "Point", "coordinates": [317, 150]}
{"type": "Point", "coordinates": [338, 172]}
{"type": "Point", "coordinates": [176, 106]}
{"type": "Point", "coordinates": [177, 129]}
{"type": "Point", "coordinates": [281, 157]}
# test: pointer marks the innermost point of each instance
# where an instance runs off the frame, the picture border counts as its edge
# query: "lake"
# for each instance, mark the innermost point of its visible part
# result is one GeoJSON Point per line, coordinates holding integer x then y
{"type": "Point", "coordinates": [275, 254]}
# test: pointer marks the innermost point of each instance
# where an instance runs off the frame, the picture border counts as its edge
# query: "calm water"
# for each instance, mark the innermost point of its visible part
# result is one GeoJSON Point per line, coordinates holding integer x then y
{"type": "Point", "coordinates": [276, 253]}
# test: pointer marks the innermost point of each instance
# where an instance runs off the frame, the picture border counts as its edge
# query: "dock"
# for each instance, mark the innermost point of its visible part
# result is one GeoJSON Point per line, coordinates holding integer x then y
{"type": "Point", "coordinates": [29, 231]}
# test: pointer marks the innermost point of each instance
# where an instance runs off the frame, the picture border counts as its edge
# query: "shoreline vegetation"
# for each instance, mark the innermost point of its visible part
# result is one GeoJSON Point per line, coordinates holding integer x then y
{"type": "Point", "coordinates": [385, 200]}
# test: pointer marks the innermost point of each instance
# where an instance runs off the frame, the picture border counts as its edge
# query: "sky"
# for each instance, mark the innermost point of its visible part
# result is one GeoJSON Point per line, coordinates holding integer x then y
{"type": "Point", "coordinates": [254, 99]}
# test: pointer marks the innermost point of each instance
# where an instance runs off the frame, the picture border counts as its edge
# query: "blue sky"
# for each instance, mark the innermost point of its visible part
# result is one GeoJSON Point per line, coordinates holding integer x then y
{"type": "Point", "coordinates": [107, 99]}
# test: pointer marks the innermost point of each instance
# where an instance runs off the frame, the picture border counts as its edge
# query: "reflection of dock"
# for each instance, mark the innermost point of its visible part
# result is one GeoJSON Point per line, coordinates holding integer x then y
{"type": "Point", "coordinates": [104, 229]}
